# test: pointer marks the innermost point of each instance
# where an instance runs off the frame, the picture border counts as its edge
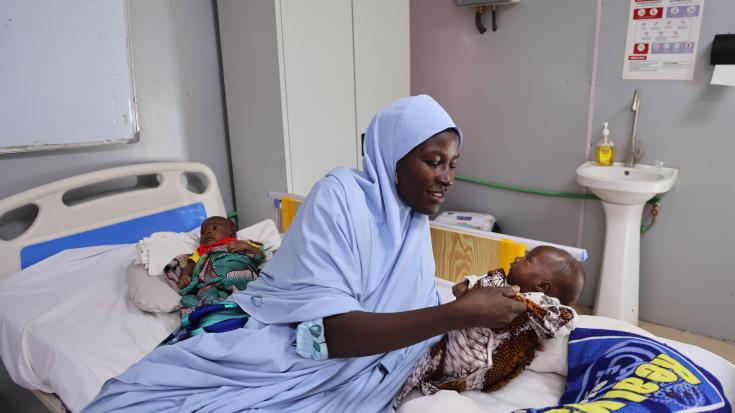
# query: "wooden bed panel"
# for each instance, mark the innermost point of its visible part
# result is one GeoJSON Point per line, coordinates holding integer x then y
{"type": "Point", "coordinates": [458, 254]}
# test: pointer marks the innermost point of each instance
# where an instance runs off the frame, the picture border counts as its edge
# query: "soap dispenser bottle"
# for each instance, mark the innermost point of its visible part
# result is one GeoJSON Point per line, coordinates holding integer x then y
{"type": "Point", "coordinates": [605, 148]}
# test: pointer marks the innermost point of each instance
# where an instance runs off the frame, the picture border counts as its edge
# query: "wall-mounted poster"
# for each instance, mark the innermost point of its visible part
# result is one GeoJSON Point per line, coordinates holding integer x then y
{"type": "Point", "coordinates": [662, 39]}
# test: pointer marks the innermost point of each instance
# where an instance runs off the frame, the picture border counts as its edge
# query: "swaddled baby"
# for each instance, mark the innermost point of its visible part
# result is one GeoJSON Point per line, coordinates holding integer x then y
{"type": "Point", "coordinates": [485, 359]}
{"type": "Point", "coordinates": [219, 264]}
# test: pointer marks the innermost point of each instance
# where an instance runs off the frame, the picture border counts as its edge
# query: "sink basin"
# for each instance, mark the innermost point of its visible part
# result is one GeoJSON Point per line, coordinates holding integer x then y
{"type": "Point", "coordinates": [624, 185]}
{"type": "Point", "coordinates": [624, 192]}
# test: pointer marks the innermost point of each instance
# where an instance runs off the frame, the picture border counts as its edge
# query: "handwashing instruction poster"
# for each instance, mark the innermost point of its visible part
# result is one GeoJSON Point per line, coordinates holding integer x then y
{"type": "Point", "coordinates": [662, 40]}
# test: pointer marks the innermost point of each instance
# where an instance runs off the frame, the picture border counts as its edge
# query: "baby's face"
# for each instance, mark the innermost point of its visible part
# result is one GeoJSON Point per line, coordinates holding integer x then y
{"type": "Point", "coordinates": [526, 272]}
{"type": "Point", "coordinates": [215, 229]}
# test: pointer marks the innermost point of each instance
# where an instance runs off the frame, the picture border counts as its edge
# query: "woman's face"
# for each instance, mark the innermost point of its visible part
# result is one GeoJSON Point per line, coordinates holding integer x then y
{"type": "Point", "coordinates": [425, 174]}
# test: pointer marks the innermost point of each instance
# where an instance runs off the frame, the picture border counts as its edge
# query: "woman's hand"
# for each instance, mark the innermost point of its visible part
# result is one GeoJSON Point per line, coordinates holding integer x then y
{"type": "Point", "coordinates": [490, 307]}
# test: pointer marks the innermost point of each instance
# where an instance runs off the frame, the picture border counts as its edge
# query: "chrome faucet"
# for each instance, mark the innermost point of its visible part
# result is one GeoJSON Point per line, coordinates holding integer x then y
{"type": "Point", "coordinates": [635, 151]}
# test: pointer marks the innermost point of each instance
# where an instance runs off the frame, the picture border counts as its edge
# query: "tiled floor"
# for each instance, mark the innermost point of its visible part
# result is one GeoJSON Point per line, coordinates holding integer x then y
{"type": "Point", "coordinates": [722, 348]}
{"type": "Point", "coordinates": [15, 399]}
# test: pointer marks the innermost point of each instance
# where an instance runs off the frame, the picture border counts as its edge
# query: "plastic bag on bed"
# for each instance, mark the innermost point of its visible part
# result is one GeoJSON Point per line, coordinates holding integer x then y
{"type": "Point", "coordinates": [212, 318]}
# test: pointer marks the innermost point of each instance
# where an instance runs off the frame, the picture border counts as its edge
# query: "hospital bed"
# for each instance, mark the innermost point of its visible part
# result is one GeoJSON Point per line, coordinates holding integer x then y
{"type": "Point", "coordinates": [66, 324]}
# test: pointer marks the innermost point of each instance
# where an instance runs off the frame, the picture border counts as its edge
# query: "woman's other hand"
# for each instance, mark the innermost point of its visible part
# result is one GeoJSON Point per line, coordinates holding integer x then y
{"type": "Point", "coordinates": [491, 307]}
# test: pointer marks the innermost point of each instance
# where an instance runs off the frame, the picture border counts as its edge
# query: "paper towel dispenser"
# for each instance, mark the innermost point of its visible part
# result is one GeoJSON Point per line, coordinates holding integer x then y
{"type": "Point", "coordinates": [723, 50]}
{"type": "Point", "coordinates": [723, 59]}
{"type": "Point", "coordinates": [480, 6]}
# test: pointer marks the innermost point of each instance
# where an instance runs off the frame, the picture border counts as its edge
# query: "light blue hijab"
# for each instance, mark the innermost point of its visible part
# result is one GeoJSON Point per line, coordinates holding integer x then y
{"type": "Point", "coordinates": [354, 246]}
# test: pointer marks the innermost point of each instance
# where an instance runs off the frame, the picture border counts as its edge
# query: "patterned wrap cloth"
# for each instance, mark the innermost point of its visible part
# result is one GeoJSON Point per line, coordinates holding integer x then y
{"type": "Point", "coordinates": [214, 275]}
{"type": "Point", "coordinates": [487, 358]}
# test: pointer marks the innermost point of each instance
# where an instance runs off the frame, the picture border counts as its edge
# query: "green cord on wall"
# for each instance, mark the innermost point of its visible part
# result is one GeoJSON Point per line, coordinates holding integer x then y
{"type": "Point", "coordinates": [525, 190]}
{"type": "Point", "coordinates": [655, 202]}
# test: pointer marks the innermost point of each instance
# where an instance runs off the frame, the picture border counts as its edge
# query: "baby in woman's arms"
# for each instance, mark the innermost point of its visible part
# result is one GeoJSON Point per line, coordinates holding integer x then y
{"type": "Point", "coordinates": [550, 281]}
{"type": "Point", "coordinates": [220, 264]}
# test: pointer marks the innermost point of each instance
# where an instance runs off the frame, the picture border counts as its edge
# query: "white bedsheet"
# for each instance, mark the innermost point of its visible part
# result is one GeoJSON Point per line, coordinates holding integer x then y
{"type": "Point", "coordinates": [529, 389]}
{"type": "Point", "coordinates": [66, 325]}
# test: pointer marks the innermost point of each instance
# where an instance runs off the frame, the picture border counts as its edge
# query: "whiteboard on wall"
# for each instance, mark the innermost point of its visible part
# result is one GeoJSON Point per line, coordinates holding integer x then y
{"type": "Point", "coordinates": [66, 77]}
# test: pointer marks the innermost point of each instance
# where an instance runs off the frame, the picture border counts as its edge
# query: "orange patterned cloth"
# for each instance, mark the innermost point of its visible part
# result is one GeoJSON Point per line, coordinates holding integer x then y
{"type": "Point", "coordinates": [486, 359]}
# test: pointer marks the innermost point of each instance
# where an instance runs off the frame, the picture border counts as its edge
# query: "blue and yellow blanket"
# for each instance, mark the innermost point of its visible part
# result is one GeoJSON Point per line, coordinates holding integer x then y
{"type": "Point", "coordinates": [621, 372]}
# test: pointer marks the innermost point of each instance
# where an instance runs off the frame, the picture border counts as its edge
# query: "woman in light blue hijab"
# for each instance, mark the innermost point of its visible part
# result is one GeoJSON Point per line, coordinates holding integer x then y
{"type": "Point", "coordinates": [357, 269]}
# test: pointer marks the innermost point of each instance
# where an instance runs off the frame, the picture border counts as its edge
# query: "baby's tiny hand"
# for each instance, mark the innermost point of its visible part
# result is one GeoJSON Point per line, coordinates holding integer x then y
{"type": "Point", "coordinates": [240, 246]}
{"type": "Point", "coordinates": [184, 280]}
{"type": "Point", "coordinates": [237, 246]}
{"type": "Point", "coordinates": [185, 277]}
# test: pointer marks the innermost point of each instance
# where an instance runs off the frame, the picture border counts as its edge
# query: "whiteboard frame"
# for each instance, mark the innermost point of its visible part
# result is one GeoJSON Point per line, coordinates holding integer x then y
{"type": "Point", "coordinates": [135, 138]}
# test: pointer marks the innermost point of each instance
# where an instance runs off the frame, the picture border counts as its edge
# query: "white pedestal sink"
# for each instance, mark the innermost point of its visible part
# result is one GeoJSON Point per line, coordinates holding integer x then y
{"type": "Point", "coordinates": [624, 192]}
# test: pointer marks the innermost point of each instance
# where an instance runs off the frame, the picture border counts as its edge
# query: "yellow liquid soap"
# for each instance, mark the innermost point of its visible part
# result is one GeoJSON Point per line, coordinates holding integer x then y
{"type": "Point", "coordinates": [605, 148]}
{"type": "Point", "coordinates": [605, 155]}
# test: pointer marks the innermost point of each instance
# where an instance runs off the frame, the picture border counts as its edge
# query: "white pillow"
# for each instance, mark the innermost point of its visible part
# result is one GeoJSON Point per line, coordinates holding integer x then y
{"type": "Point", "coordinates": [264, 232]}
{"type": "Point", "coordinates": [157, 250]}
{"type": "Point", "coordinates": [151, 293]}
{"type": "Point", "coordinates": [554, 357]}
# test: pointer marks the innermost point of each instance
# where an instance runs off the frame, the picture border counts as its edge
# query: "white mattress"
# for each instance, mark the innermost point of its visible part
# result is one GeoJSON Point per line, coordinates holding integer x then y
{"type": "Point", "coordinates": [66, 326]}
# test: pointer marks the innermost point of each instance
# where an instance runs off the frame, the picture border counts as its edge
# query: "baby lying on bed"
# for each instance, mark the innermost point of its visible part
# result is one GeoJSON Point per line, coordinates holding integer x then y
{"type": "Point", "coordinates": [220, 264]}
{"type": "Point", "coordinates": [550, 280]}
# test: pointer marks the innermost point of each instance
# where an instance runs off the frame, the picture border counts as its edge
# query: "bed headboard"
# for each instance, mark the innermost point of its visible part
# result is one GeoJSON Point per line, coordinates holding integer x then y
{"type": "Point", "coordinates": [113, 218]}
{"type": "Point", "coordinates": [457, 251]}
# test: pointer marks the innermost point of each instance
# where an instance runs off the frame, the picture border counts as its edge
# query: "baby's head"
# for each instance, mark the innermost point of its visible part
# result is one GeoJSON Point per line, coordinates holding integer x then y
{"type": "Point", "coordinates": [548, 270]}
{"type": "Point", "coordinates": [216, 228]}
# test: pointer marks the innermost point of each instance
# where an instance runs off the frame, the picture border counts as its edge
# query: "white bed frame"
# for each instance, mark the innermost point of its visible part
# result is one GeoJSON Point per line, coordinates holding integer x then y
{"type": "Point", "coordinates": [55, 219]}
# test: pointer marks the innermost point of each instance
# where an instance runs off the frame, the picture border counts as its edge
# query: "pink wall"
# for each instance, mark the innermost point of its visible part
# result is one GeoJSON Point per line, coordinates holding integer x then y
{"type": "Point", "coordinates": [520, 95]}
